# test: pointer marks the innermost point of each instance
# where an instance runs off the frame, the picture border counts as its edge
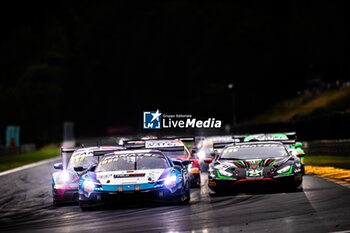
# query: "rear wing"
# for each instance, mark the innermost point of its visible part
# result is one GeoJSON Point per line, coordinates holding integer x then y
{"type": "Point", "coordinates": [285, 138]}
{"type": "Point", "coordinates": [175, 148]}
{"type": "Point", "coordinates": [220, 145]}
{"type": "Point", "coordinates": [68, 150]}
{"type": "Point", "coordinates": [103, 152]}
{"type": "Point", "coordinates": [182, 138]}
{"type": "Point", "coordinates": [291, 135]}
{"type": "Point", "coordinates": [134, 144]}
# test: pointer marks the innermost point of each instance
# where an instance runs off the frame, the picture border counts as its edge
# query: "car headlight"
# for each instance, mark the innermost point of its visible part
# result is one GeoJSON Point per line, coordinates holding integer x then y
{"type": "Point", "coordinates": [64, 177]}
{"type": "Point", "coordinates": [89, 185]}
{"type": "Point", "coordinates": [170, 180]}
{"type": "Point", "coordinates": [284, 169]}
{"type": "Point", "coordinates": [224, 173]}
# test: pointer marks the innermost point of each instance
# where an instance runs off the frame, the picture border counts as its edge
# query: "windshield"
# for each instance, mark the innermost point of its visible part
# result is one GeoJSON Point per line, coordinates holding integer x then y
{"type": "Point", "coordinates": [122, 162]}
{"type": "Point", "coordinates": [254, 151]}
{"type": "Point", "coordinates": [176, 154]}
{"type": "Point", "coordinates": [82, 161]}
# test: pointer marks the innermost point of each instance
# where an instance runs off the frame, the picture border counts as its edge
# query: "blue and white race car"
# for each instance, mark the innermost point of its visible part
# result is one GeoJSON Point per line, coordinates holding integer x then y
{"type": "Point", "coordinates": [147, 174]}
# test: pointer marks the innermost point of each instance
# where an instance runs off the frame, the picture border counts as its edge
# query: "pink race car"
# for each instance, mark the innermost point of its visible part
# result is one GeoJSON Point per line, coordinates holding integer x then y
{"type": "Point", "coordinates": [65, 182]}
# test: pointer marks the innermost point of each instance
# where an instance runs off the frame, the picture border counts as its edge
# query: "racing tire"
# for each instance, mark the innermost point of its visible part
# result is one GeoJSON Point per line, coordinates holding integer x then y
{"type": "Point", "coordinates": [56, 203]}
{"type": "Point", "coordinates": [213, 191]}
{"type": "Point", "coordinates": [295, 186]}
{"type": "Point", "coordinates": [185, 197]}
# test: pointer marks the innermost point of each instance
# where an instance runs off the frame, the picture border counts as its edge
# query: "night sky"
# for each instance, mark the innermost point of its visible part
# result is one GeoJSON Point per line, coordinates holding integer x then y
{"type": "Point", "coordinates": [102, 64]}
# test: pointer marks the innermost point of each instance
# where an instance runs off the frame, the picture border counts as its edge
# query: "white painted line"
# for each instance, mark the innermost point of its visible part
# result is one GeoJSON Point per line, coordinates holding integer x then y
{"type": "Point", "coordinates": [29, 166]}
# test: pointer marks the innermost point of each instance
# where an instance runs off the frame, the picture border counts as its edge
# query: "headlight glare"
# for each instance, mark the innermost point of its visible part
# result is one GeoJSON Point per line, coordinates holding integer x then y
{"type": "Point", "coordinates": [89, 185]}
{"type": "Point", "coordinates": [64, 177]}
{"type": "Point", "coordinates": [170, 180]}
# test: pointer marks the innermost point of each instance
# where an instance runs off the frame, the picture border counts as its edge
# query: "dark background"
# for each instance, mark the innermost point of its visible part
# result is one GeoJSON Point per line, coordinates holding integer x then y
{"type": "Point", "coordinates": [101, 65]}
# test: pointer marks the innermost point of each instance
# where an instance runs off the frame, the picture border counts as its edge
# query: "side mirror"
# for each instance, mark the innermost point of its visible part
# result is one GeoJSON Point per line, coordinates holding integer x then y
{"type": "Point", "coordinates": [298, 144]}
{"type": "Point", "coordinates": [177, 163]}
{"type": "Point", "coordinates": [79, 169]}
{"type": "Point", "coordinates": [178, 168]}
{"type": "Point", "coordinates": [186, 162]}
{"type": "Point", "coordinates": [58, 166]}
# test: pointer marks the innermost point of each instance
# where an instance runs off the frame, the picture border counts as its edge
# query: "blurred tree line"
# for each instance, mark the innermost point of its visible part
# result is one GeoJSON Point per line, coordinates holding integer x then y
{"type": "Point", "coordinates": [102, 64]}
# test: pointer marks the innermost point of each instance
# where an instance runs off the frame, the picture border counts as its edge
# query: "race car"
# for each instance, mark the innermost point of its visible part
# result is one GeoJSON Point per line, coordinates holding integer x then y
{"type": "Point", "coordinates": [121, 175]}
{"type": "Point", "coordinates": [267, 161]}
{"type": "Point", "coordinates": [176, 150]}
{"type": "Point", "coordinates": [288, 139]}
{"type": "Point", "coordinates": [65, 181]}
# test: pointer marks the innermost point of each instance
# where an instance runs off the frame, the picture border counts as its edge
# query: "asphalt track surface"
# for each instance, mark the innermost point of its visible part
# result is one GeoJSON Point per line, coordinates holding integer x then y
{"type": "Point", "coordinates": [323, 206]}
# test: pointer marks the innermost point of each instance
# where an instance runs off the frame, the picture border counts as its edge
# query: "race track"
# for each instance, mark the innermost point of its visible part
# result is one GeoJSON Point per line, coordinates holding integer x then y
{"type": "Point", "coordinates": [26, 206]}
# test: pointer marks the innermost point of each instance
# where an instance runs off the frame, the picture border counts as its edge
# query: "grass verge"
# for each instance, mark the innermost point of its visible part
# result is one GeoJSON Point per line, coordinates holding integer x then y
{"type": "Point", "coordinates": [12, 161]}
{"type": "Point", "coordinates": [327, 160]}
{"type": "Point", "coordinates": [333, 100]}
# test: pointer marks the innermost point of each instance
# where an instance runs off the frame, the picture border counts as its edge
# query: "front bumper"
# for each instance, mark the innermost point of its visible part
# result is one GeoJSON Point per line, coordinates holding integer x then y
{"type": "Point", "coordinates": [65, 195]}
{"type": "Point", "coordinates": [100, 197]}
{"type": "Point", "coordinates": [115, 193]}
{"type": "Point", "coordinates": [225, 184]}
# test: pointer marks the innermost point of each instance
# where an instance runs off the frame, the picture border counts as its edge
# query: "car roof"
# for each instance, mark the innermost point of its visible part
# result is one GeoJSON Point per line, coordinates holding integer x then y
{"type": "Point", "coordinates": [163, 143]}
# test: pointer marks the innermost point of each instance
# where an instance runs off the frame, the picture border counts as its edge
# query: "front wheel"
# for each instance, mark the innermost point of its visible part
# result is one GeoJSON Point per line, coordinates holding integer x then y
{"type": "Point", "coordinates": [185, 197]}
{"type": "Point", "coordinates": [295, 185]}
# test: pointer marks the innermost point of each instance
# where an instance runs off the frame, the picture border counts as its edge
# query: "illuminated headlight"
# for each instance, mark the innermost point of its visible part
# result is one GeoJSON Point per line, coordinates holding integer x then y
{"type": "Point", "coordinates": [284, 169]}
{"type": "Point", "coordinates": [89, 185]}
{"type": "Point", "coordinates": [64, 177]}
{"type": "Point", "coordinates": [170, 180]}
{"type": "Point", "coordinates": [224, 173]}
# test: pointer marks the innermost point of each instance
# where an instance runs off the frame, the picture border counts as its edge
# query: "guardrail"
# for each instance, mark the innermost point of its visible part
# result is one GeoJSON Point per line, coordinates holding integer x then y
{"type": "Point", "coordinates": [327, 147]}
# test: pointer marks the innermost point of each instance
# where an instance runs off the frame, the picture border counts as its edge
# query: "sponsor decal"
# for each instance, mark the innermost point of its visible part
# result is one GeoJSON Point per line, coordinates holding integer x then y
{"type": "Point", "coordinates": [151, 120]}
{"type": "Point", "coordinates": [157, 120]}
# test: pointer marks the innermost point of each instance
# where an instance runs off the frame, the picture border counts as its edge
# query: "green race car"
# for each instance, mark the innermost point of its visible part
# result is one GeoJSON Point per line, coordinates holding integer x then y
{"type": "Point", "coordinates": [255, 163]}
{"type": "Point", "coordinates": [288, 139]}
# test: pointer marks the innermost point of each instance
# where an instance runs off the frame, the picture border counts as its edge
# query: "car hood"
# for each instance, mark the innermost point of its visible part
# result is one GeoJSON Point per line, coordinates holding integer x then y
{"type": "Point", "coordinates": [129, 177]}
{"type": "Point", "coordinates": [248, 163]}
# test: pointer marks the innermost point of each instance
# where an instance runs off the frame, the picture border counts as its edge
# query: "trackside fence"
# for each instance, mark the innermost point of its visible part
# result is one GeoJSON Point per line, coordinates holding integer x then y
{"type": "Point", "coordinates": [4, 150]}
